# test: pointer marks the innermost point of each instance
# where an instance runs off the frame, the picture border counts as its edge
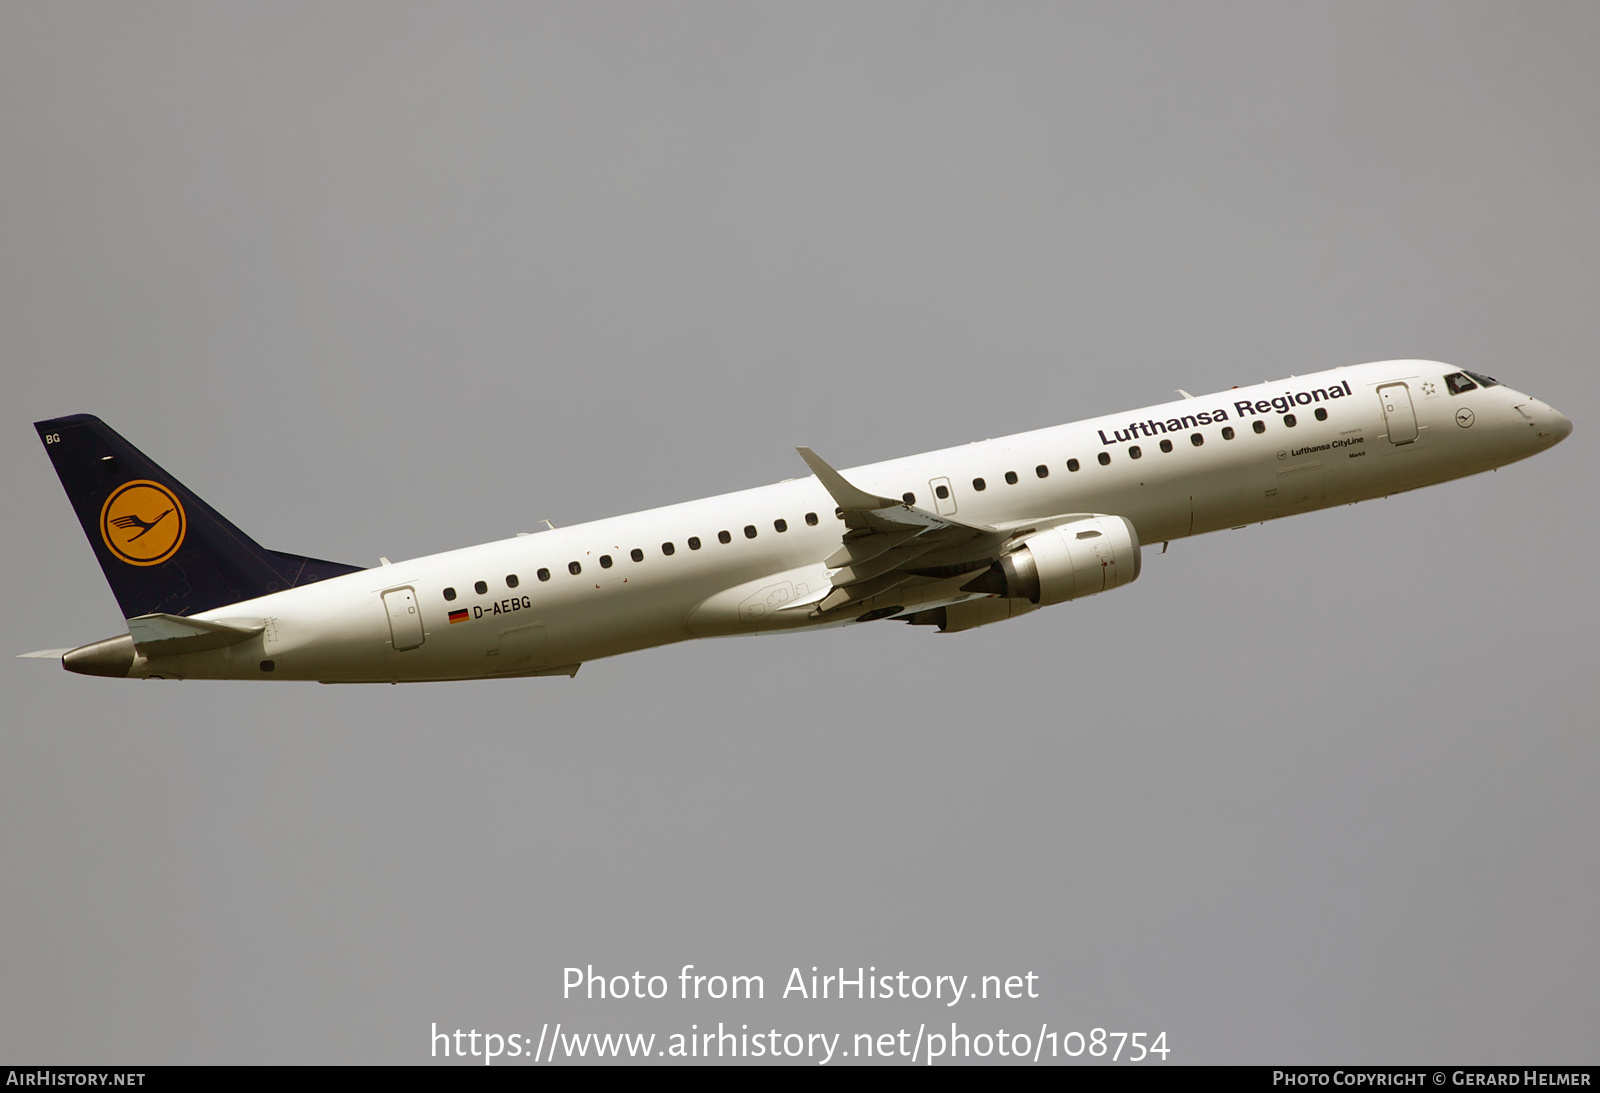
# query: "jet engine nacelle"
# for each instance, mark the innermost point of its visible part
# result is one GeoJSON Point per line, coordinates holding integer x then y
{"type": "Point", "coordinates": [1066, 562]}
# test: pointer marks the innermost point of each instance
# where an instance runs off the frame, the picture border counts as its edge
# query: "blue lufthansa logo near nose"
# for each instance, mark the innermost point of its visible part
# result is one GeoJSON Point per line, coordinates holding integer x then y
{"type": "Point", "coordinates": [1464, 418]}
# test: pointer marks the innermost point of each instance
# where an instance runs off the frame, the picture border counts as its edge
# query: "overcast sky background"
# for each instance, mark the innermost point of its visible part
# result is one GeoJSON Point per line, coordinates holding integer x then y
{"type": "Point", "coordinates": [392, 279]}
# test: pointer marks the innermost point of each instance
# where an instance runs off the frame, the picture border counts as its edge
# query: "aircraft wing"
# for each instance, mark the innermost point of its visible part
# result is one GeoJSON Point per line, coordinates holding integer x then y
{"type": "Point", "coordinates": [888, 543]}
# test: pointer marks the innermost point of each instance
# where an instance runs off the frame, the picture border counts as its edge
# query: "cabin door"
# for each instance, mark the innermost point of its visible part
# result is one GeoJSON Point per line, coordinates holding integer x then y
{"type": "Point", "coordinates": [405, 618]}
{"type": "Point", "coordinates": [944, 496]}
{"type": "Point", "coordinates": [1398, 412]}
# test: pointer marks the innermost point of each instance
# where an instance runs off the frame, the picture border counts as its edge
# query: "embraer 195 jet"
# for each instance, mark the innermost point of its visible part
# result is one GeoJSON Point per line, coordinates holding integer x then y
{"type": "Point", "coordinates": [956, 539]}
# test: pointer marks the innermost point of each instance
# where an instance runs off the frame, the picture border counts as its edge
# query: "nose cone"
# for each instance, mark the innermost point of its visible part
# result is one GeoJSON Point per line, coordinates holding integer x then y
{"type": "Point", "coordinates": [1556, 428]}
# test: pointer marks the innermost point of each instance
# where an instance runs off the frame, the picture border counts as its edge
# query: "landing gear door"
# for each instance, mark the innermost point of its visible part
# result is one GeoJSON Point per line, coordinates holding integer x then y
{"type": "Point", "coordinates": [944, 497]}
{"type": "Point", "coordinates": [405, 618]}
{"type": "Point", "coordinates": [1398, 412]}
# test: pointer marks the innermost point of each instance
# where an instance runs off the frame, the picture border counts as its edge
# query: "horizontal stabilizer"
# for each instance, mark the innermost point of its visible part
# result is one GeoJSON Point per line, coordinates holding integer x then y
{"type": "Point", "coordinates": [165, 635]}
{"type": "Point", "coordinates": [43, 654]}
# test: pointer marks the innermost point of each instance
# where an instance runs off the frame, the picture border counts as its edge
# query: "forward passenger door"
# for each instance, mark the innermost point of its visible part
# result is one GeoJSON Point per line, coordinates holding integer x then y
{"type": "Point", "coordinates": [1398, 412]}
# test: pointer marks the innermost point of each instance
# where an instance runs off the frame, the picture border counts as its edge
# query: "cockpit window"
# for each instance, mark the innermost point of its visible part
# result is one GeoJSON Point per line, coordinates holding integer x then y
{"type": "Point", "coordinates": [1487, 381]}
{"type": "Point", "coordinates": [1458, 382]}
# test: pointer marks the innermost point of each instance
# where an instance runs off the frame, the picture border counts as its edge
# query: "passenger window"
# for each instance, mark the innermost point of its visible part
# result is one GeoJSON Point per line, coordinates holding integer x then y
{"type": "Point", "coordinates": [942, 492]}
{"type": "Point", "coordinates": [909, 498]}
{"type": "Point", "coordinates": [1196, 439]}
{"type": "Point", "coordinates": [1227, 432]}
{"type": "Point", "coordinates": [605, 561]}
{"type": "Point", "coordinates": [511, 580]}
{"type": "Point", "coordinates": [1322, 413]}
{"type": "Point", "coordinates": [636, 554]}
{"type": "Point", "coordinates": [543, 574]}
{"type": "Point", "coordinates": [979, 484]}
{"type": "Point", "coordinates": [574, 568]}
{"type": "Point", "coordinates": [1042, 471]}
{"type": "Point", "coordinates": [668, 549]}
{"type": "Point", "coordinates": [811, 519]}
{"type": "Point", "coordinates": [449, 593]}
{"type": "Point", "coordinates": [724, 537]}
{"type": "Point", "coordinates": [1288, 419]}
{"type": "Point", "coordinates": [1105, 459]}
{"type": "Point", "coordinates": [749, 531]}
{"type": "Point", "coordinates": [1458, 382]}
{"type": "Point", "coordinates": [1166, 445]}
{"type": "Point", "coordinates": [780, 525]}
{"type": "Point", "coordinates": [694, 542]}
{"type": "Point", "coordinates": [1134, 452]}
{"type": "Point", "coordinates": [1072, 464]}
{"type": "Point", "coordinates": [481, 587]}
{"type": "Point", "coordinates": [1259, 426]}
{"type": "Point", "coordinates": [1011, 478]}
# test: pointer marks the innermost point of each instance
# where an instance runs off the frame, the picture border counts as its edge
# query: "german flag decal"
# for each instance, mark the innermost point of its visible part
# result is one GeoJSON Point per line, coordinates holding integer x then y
{"type": "Point", "coordinates": [458, 616]}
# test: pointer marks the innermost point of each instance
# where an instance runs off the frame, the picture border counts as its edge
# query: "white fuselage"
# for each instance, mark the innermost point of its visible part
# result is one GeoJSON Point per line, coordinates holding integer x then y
{"type": "Point", "coordinates": [393, 623]}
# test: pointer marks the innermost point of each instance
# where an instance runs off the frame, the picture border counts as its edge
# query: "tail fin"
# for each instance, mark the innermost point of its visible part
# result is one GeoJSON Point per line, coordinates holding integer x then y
{"type": "Point", "coordinates": [161, 547]}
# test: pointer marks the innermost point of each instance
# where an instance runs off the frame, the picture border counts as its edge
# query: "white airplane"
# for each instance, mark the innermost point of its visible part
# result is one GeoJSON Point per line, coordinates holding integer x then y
{"type": "Point", "coordinates": [957, 538]}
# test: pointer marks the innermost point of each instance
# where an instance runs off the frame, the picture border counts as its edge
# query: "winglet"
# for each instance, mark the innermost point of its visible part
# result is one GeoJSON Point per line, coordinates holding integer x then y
{"type": "Point", "coordinates": [849, 498]}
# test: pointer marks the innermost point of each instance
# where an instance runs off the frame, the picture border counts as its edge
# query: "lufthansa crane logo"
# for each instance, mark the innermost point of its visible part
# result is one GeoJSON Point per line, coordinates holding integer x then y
{"type": "Point", "coordinates": [143, 523]}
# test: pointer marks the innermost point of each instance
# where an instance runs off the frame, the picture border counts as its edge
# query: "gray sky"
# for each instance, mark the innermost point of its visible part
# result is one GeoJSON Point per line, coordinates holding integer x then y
{"type": "Point", "coordinates": [391, 279]}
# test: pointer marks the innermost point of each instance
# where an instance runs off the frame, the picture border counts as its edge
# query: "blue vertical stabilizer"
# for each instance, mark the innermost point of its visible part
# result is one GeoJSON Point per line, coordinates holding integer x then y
{"type": "Point", "coordinates": [162, 548]}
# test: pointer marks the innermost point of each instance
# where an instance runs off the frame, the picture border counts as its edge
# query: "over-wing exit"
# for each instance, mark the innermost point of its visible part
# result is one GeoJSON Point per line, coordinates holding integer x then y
{"type": "Point", "coordinates": [952, 539]}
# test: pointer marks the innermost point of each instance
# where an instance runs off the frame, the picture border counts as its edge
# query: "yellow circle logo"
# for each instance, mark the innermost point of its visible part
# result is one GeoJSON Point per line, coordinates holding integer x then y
{"type": "Point", "coordinates": [142, 523]}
